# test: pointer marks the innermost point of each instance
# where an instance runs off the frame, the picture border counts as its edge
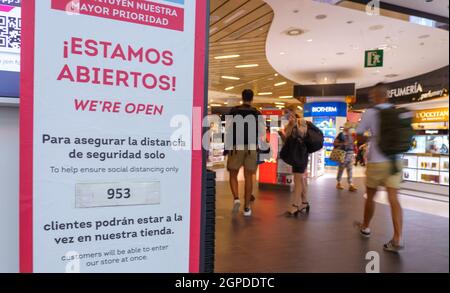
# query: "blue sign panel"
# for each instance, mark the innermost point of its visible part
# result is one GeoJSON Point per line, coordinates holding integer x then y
{"type": "Point", "coordinates": [326, 109]}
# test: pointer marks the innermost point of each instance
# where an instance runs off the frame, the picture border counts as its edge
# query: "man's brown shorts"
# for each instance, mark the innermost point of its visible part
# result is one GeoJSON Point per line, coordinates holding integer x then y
{"type": "Point", "coordinates": [242, 158]}
{"type": "Point", "coordinates": [379, 174]}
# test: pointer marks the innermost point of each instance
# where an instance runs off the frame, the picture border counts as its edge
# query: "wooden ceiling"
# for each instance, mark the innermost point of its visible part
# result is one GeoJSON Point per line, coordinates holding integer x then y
{"type": "Point", "coordinates": [240, 27]}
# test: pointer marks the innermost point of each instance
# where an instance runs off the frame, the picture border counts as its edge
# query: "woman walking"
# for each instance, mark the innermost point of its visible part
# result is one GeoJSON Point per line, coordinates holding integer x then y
{"type": "Point", "coordinates": [297, 127]}
{"type": "Point", "coordinates": [345, 142]}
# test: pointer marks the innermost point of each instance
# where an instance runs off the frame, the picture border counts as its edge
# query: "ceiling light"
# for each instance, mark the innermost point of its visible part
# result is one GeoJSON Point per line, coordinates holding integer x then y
{"type": "Point", "coordinates": [376, 27]}
{"type": "Point", "coordinates": [294, 32]}
{"type": "Point", "coordinates": [216, 105]}
{"type": "Point", "coordinates": [214, 18]}
{"type": "Point", "coordinates": [227, 57]}
{"type": "Point", "coordinates": [424, 37]}
{"type": "Point", "coordinates": [387, 47]}
{"type": "Point", "coordinates": [300, 108]}
{"type": "Point", "coordinates": [276, 74]}
{"type": "Point", "coordinates": [282, 53]}
{"type": "Point", "coordinates": [247, 66]}
{"type": "Point", "coordinates": [286, 97]}
{"type": "Point", "coordinates": [234, 16]}
{"type": "Point", "coordinates": [391, 75]}
{"type": "Point", "coordinates": [226, 103]}
{"type": "Point", "coordinates": [241, 102]}
{"type": "Point", "coordinates": [278, 103]}
{"type": "Point", "coordinates": [280, 83]}
{"type": "Point", "coordinates": [230, 77]}
{"type": "Point", "coordinates": [309, 40]}
{"type": "Point", "coordinates": [229, 88]}
{"type": "Point", "coordinates": [265, 94]}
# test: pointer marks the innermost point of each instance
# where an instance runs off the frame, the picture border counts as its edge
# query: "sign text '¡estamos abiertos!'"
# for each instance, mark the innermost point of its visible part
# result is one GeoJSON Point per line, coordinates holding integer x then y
{"type": "Point", "coordinates": [119, 53]}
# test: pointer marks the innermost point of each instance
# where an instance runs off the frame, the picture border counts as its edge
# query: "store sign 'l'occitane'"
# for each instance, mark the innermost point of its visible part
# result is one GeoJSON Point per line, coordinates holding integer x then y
{"type": "Point", "coordinates": [432, 115]}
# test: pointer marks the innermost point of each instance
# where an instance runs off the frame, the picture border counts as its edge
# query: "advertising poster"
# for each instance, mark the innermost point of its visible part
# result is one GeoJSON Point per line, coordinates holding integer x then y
{"type": "Point", "coordinates": [112, 93]}
{"type": "Point", "coordinates": [418, 145]}
{"type": "Point", "coordinates": [328, 127]}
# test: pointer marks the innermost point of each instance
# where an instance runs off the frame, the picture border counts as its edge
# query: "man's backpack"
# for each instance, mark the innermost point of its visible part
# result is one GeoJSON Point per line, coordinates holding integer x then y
{"type": "Point", "coordinates": [396, 132]}
{"type": "Point", "coordinates": [313, 138]}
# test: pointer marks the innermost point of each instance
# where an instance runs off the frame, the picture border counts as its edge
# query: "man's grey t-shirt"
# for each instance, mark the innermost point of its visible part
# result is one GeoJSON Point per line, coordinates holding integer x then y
{"type": "Point", "coordinates": [369, 122]}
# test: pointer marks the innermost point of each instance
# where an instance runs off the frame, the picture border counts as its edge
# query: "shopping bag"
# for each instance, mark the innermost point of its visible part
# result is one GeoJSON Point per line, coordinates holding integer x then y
{"type": "Point", "coordinates": [338, 155]}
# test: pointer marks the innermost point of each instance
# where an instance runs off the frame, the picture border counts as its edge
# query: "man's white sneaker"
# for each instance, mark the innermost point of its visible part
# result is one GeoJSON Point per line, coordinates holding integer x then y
{"type": "Point", "coordinates": [393, 247]}
{"type": "Point", "coordinates": [365, 232]}
{"type": "Point", "coordinates": [236, 206]}
{"type": "Point", "coordinates": [247, 212]}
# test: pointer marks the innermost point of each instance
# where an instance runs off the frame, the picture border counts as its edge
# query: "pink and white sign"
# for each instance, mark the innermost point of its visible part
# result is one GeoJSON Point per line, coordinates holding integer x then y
{"type": "Point", "coordinates": [107, 182]}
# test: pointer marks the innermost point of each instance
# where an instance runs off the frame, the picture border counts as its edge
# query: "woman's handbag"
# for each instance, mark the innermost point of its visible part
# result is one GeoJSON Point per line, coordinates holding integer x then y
{"type": "Point", "coordinates": [294, 151]}
{"type": "Point", "coordinates": [338, 155]}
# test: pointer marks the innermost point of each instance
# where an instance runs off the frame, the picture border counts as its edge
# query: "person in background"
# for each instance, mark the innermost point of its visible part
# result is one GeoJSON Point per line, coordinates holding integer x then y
{"type": "Point", "coordinates": [300, 201]}
{"type": "Point", "coordinates": [242, 147]}
{"type": "Point", "coordinates": [378, 171]}
{"type": "Point", "coordinates": [361, 155]}
{"type": "Point", "coordinates": [345, 142]}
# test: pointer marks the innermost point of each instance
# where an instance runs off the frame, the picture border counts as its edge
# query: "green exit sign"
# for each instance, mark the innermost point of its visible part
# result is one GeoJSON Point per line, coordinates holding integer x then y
{"type": "Point", "coordinates": [374, 58]}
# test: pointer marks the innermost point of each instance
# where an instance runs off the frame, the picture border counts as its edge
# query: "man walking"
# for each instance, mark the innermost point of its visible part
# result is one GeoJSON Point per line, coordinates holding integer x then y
{"type": "Point", "coordinates": [379, 170]}
{"type": "Point", "coordinates": [244, 129]}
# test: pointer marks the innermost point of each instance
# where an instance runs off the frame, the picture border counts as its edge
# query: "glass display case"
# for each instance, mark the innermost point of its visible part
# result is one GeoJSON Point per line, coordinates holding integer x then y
{"type": "Point", "coordinates": [426, 168]}
{"type": "Point", "coordinates": [316, 165]}
{"type": "Point", "coordinates": [216, 146]}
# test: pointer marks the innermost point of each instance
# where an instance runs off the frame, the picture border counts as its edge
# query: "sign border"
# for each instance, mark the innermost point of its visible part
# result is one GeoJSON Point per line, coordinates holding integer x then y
{"type": "Point", "coordinates": [27, 130]}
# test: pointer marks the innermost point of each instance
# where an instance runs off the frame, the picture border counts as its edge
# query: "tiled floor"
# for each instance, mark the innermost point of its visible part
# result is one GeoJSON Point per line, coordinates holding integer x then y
{"type": "Point", "coordinates": [323, 241]}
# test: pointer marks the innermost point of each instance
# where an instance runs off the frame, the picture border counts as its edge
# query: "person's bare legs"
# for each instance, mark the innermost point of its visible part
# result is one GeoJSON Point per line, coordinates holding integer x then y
{"type": "Point", "coordinates": [298, 193]}
{"type": "Point", "coordinates": [369, 208]}
{"type": "Point", "coordinates": [305, 189]}
{"type": "Point", "coordinates": [234, 185]}
{"type": "Point", "coordinates": [397, 214]}
{"type": "Point", "coordinates": [248, 175]}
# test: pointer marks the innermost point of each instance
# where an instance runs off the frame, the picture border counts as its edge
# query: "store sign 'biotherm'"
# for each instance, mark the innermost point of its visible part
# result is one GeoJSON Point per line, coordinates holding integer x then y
{"type": "Point", "coordinates": [104, 86]}
{"type": "Point", "coordinates": [325, 109]}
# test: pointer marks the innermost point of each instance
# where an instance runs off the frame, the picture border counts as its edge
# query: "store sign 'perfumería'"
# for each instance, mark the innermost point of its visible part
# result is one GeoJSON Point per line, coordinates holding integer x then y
{"type": "Point", "coordinates": [102, 85]}
{"type": "Point", "coordinates": [431, 115]}
{"type": "Point", "coordinates": [417, 90]}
